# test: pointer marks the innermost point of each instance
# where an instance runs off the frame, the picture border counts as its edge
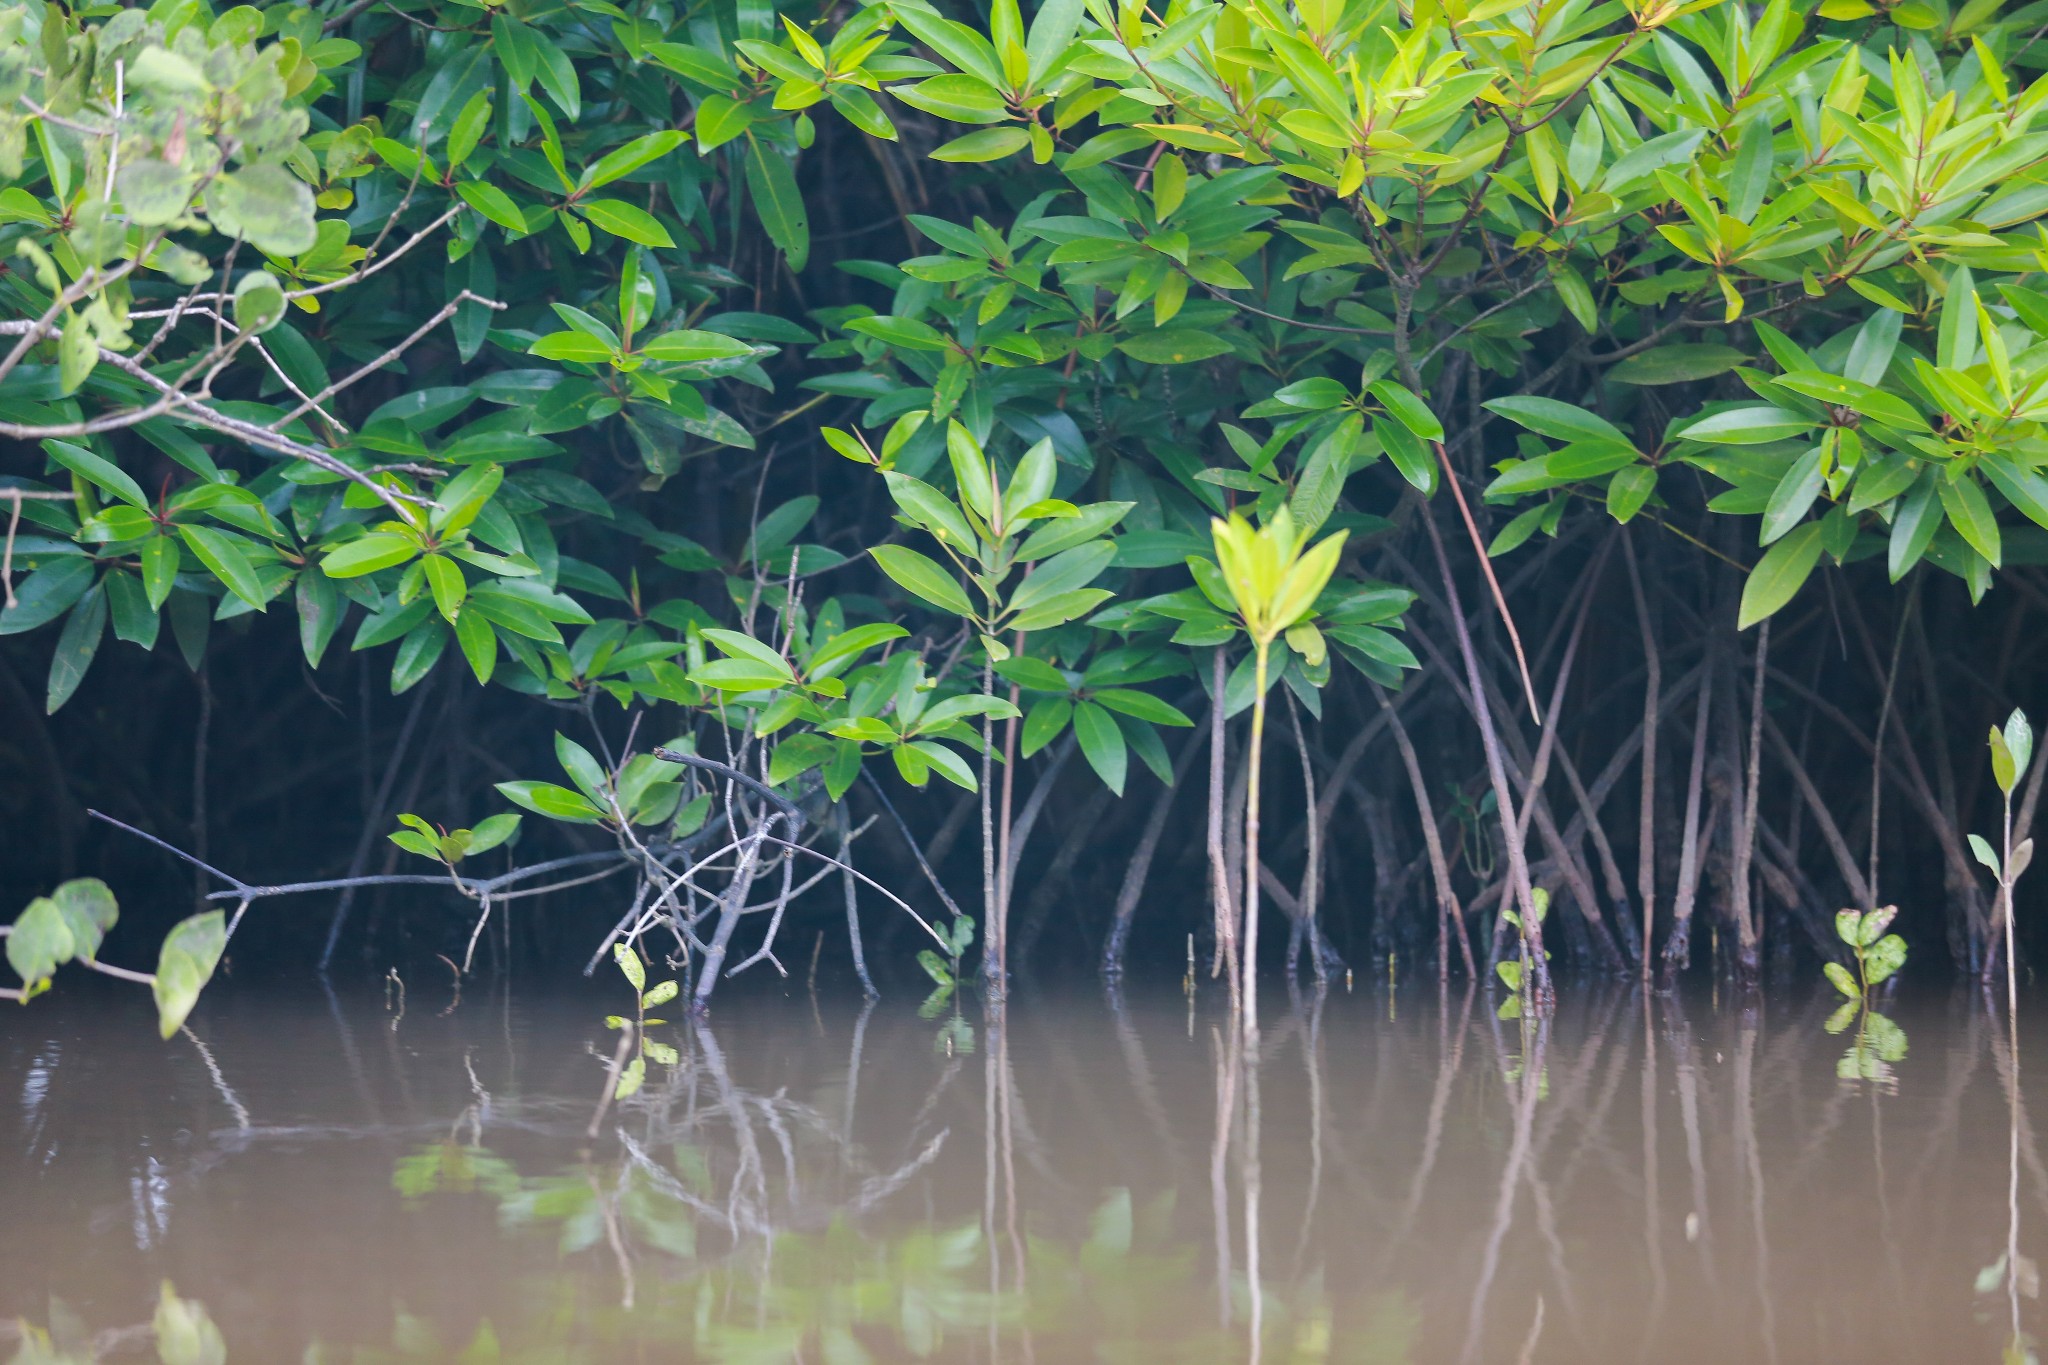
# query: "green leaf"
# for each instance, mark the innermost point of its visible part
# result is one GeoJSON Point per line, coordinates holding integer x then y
{"type": "Point", "coordinates": [40, 943]}
{"type": "Point", "coordinates": [478, 641]}
{"type": "Point", "coordinates": [367, 554]}
{"type": "Point", "coordinates": [185, 1335]}
{"type": "Point", "coordinates": [258, 302]}
{"type": "Point", "coordinates": [267, 205]}
{"type": "Point", "coordinates": [89, 911]}
{"type": "Point", "coordinates": [47, 593]}
{"type": "Point", "coordinates": [686, 347]}
{"type": "Point", "coordinates": [1175, 346]}
{"type": "Point", "coordinates": [623, 161]}
{"type": "Point", "coordinates": [629, 963]}
{"type": "Point", "coordinates": [578, 347]}
{"type": "Point", "coordinates": [1410, 411]}
{"type": "Point", "coordinates": [1746, 426]}
{"type": "Point", "coordinates": [1102, 744]}
{"type": "Point", "coordinates": [160, 556]}
{"type": "Point", "coordinates": [923, 578]}
{"type": "Point", "coordinates": [555, 802]}
{"type": "Point", "coordinates": [1677, 364]}
{"type": "Point", "coordinates": [1044, 723]}
{"type": "Point", "coordinates": [493, 203]}
{"type": "Point", "coordinates": [1559, 421]}
{"type": "Point", "coordinates": [1884, 958]}
{"type": "Point", "coordinates": [1796, 490]}
{"type": "Point", "coordinates": [2019, 739]}
{"type": "Point", "coordinates": [492, 832]}
{"type": "Point", "coordinates": [771, 185]}
{"type": "Point", "coordinates": [1913, 526]}
{"type": "Point", "coordinates": [1985, 854]}
{"type": "Point", "coordinates": [223, 554]}
{"type": "Point", "coordinates": [1843, 981]}
{"type": "Point", "coordinates": [1408, 454]}
{"type": "Point", "coordinates": [660, 994]}
{"type": "Point", "coordinates": [622, 219]}
{"type": "Point", "coordinates": [77, 645]}
{"type": "Point", "coordinates": [96, 470]}
{"type": "Point", "coordinates": [1143, 705]}
{"type": "Point", "coordinates": [1969, 511]}
{"type": "Point", "coordinates": [1629, 489]}
{"type": "Point", "coordinates": [184, 965]}
{"type": "Point", "coordinates": [984, 144]}
{"type": "Point", "coordinates": [1780, 574]}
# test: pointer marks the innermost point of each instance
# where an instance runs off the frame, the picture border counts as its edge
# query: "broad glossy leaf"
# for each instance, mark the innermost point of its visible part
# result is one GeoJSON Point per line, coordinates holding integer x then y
{"type": "Point", "coordinates": [184, 965]}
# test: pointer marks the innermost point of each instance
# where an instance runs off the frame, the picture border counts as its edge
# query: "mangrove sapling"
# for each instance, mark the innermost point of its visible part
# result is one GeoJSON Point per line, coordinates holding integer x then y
{"type": "Point", "coordinates": [1274, 578]}
{"type": "Point", "coordinates": [992, 529]}
{"type": "Point", "coordinates": [2012, 751]}
{"type": "Point", "coordinates": [645, 997]}
{"type": "Point", "coordinates": [1878, 955]}
{"type": "Point", "coordinates": [1516, 974]}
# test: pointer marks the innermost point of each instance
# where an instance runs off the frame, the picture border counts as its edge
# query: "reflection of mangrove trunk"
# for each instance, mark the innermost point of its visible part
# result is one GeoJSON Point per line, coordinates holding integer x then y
{"type": "Point", "coordinates": [1526, 1091]}
{"type": "Point", "coordinates": [1224, 1055]}
{"type": "Point", "coordinates": [1253, 1189]}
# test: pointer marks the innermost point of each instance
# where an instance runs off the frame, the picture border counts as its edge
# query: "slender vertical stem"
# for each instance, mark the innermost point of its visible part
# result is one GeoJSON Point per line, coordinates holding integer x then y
{"type": "Point", "coordinates": [1439, 866]}
{"type": "Point", "coordinates": [2005, 881]}
{"type": "Point", "coordinates": [995, 967]}
{"type": "Point", "coordinates": [1745, 843]}
{"type": "Point", "coordinates": [201, 742]}
{"type": "Point", "coordinates": [1678, 944]}
{"type": "Point", "coordinates": [1884, 712]}
{"type": "Point", "coordinates": [1496, 769]}
{"type": "Point", "coordinates": [1224, 908]}
{"type": "Point", "coordinates": [1646, 814]}
{"type": "Point", "coordinates": [1251, 847]}
{"type": "Point", "coordinates": [1005, 875]}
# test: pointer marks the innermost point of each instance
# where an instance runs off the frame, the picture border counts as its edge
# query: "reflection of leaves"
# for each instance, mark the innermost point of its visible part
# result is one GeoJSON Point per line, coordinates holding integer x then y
{"type": "Point", "coordinates": [935, 1003]}
{"type": "Point", "coordinates": [955, 1037]}
{"type": "Point", "coordinates": [450, 1168]}
{"type": "Point", "coordinates": [1843, 1017]}
{"type": "Point", "coordinates": [1886, 1038]}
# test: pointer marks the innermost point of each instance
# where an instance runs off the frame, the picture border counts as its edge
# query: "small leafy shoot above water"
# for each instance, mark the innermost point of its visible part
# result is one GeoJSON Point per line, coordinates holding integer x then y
{"type": "Point", "coordinates": [2012, 753]}
{"type": "Point", "coordinates": [451, 846]}
{"type": "Point", "coordinates": [645, 998]}
{"type": "Point", "coordinates": [1514, 973]}
{"type": "Point", "coordinates": [1878, 955]}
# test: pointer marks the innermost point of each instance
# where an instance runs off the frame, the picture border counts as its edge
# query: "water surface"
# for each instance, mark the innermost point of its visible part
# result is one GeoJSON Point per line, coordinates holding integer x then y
{"type": "Point", "coordinates": [1388, 1178]}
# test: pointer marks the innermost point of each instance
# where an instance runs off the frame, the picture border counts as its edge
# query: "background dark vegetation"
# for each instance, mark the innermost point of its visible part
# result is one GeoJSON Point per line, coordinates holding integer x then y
{"type": "Point", "coordinates": [272, 768]}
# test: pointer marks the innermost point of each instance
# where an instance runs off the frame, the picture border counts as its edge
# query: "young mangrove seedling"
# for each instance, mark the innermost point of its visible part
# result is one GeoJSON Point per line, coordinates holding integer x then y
{"type": "Point", "coordinates": [1515, 974]}
{"type": "Point", "coordinates": [2012, 751]}
{"type": "Point", "coordinates": [645, 997]}
{"type": "Point", "coordinates": [1878, 955]}
{"type": "Point", "coordinates": [1274, 579]}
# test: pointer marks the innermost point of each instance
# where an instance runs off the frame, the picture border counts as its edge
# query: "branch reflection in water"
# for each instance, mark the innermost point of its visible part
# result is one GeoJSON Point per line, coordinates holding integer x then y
{"type": "Point", "coordinates": [1408, 1179]}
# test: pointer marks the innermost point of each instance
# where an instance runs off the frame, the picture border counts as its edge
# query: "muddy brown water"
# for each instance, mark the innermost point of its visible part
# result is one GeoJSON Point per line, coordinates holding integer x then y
{"type": "Point", "coordinates": [1389, 1178]}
